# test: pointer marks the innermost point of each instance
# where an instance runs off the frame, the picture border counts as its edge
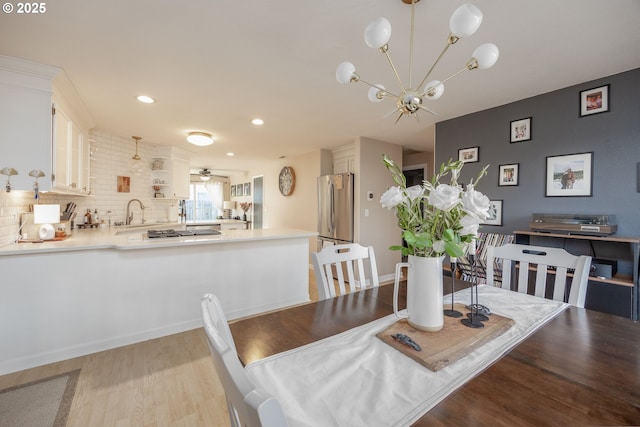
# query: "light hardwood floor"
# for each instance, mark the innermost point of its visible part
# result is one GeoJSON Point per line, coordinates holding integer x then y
{"type": "Point", "coordinates": [169, 381]}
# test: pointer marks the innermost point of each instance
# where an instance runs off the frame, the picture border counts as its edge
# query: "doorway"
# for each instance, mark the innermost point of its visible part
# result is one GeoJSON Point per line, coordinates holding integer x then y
{"type": "Point", "coordinates": [258, 200]}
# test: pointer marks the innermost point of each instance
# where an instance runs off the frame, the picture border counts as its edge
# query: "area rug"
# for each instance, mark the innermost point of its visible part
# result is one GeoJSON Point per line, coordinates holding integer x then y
{"type": "Point", "coordinates": [41, 403]}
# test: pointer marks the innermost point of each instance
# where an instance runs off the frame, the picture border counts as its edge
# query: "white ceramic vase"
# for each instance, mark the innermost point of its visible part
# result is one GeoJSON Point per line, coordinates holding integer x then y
{"type": "Point", "coordinates": [424, 293]}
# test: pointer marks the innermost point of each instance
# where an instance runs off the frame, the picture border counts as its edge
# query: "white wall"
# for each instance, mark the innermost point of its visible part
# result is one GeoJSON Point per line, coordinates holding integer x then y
{"type": "Point", "coordinates": [378, 228]}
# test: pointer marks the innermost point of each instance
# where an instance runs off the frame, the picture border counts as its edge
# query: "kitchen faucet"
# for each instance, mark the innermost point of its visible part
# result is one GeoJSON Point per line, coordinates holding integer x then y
{"type": "Point", "coordinates": [130, 214]}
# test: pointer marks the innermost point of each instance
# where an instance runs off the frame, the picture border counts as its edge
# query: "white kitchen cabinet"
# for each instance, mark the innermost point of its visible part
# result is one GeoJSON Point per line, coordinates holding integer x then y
{"type": "Point", "coordinates": [25, 120]}
{"type": "Point", "coordinates": [71, 161]}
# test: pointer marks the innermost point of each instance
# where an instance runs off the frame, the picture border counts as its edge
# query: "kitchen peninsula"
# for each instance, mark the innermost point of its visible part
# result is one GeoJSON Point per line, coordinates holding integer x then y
{"type": "Point", "coordinates": [101, 289]}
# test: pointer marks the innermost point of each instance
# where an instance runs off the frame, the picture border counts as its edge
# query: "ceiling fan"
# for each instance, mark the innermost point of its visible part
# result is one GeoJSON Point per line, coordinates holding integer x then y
{"type": "Point", "coordinates": [205, 174]}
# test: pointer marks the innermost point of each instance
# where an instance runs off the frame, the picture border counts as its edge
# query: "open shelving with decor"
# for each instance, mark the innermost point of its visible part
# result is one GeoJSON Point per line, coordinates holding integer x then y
{"type": "Point", "coordinates": [617, 294]}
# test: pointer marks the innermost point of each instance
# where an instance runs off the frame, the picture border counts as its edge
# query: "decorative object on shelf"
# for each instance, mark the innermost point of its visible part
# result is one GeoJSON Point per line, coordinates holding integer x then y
{"type": "Point", "coordinates": [435, 219]}
{"type": "Point", "coordinates": [245, 206]}
{"type": "Point", "coordinates": [157, 164]}
{"type": "Point", "coordinates": [468, 155]}
{"type": "Point", "coordinates": [9, 172]}
{"type": "Point", "coordinates": [508, 175]}
{"type": "Point", "coordinates": [495, 213]}
{"type": "Point", "coordinates": [569, 175]}
{"type": "Point", "coordinates": [201, 139]}
{"type": "Point", "coordinates": [46, 215]}
{"type": "Point", "coordinates": [137, 166]}
{"type": "Point", "coordinates": [594, 101]}
{"type": "Point", "coordinates": [36, 173]}
{"type": "Point", "coordinates": [521, 130]}
{"type": "Point", "coordinates": [228, 207]}
{"type": "Point", "coordinates": [287, 181]}
{"type": "Point", "coordinates": [464, 22]}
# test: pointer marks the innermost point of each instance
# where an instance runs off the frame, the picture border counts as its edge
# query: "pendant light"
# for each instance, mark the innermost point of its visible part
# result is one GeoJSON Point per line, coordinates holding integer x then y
{"type": "Point", "coordinates": [137, 166]}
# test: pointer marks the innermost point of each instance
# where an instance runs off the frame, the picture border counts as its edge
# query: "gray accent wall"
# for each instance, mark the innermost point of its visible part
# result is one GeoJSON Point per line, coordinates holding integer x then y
{"type": "Point", "coordinates": [557, 129]}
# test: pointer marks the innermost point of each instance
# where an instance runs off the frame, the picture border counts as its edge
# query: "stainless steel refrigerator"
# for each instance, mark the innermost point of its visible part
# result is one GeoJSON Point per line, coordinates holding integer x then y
{"type": "Point", "coordinates": [335, 209]}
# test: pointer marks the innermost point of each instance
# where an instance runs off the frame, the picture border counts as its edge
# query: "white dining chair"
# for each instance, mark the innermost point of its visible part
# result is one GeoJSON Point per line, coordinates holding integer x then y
{"type": "Point", "coordinates": [348, 257]}
{"type": "Point", "coordinates": [247, 405]}
{"type": "Point", "coordinates": [547, 260]}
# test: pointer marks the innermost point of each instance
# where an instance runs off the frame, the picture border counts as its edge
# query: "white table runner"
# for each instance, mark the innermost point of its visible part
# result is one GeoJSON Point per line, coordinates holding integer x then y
{"type": "Point", "coordinates": [354, 379]}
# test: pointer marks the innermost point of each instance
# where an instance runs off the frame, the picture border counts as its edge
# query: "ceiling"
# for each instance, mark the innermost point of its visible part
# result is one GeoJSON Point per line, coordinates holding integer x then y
{"type": "Point", "coordinates": [213, 65]}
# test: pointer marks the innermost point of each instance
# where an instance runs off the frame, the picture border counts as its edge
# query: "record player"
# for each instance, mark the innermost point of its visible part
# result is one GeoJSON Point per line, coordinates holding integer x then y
{"type": "Point", "coordinates": [587, 224]}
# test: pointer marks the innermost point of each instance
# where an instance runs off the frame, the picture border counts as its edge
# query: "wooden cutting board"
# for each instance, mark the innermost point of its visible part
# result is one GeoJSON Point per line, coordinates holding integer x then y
{"type": "Point", "coordinates": [453, 342]}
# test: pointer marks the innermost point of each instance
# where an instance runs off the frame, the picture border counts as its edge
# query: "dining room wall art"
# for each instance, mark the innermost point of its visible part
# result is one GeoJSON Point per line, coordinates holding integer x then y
{"type": "Point", "coordinates": [495, 213]}
{"type": "Point", "coordinates": [569, 175]}
{"type": "Point", "coordinates": [468, 155]}
{"type": "Point", "coordinates": [594, 101]}
{"type": "Point", "coordinates": [509, 175]}
{"type": "Point", "coordinates": [521, 130]}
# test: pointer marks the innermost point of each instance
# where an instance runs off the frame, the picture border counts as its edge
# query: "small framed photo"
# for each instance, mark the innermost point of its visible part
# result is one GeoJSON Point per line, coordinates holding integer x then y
{"type": "Point", "coordinates": [521, 130]}
{"type": "Point", "coordinates": [233, 191]}
{"type": "Point", "coordinates": [594, 101]}
{"type": "Point", "coordinates": [508, 174]}
{"type": "Point", "coordinates": [239, 190]}
{"type": "Point", "coordinates": [468, 155]}
{"type": "Point", "coordinates": [495, 213]}
{"type": "Point", "coordinates": [569, 175]}
{"type": "Point", "coordinates": [247, 189]}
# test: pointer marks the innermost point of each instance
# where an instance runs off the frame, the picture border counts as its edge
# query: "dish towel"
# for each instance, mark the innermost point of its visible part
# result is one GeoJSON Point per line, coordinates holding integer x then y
{"type": "Point", "coordinates": [354, 379]}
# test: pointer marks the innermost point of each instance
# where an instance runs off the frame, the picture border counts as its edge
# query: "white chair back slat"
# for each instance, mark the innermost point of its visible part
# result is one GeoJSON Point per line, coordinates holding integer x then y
{"type": "Point", "coordinates": [349, 257]}
{"type": "Point", "coordinates": [543, 258]}
{"type": "Point", "coordinates": [247, 405]}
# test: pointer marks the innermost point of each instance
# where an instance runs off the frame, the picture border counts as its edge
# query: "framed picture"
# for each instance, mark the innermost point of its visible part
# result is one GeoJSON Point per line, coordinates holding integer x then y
{"type": "Point", "coordinates": [233, 191]}
{"type": "Point", "coordinates": [594, 101]}
{"type": "Point", "coordinates": [123, 184]}
{"type": "Point", "coordinates": [569, 175]}
{"type": "Point", "coordinates": [239, 190]}
{"type": "Point", "coordinates": [468, 155]}
{"type": "Point", "coordinates": [247, 189]}
{"type": "Point", "coordinates": [521, 130]}
{"type": "Point", "coordinates": [495, 213]}
{"type": "Point", "coordinates": [508, 174]}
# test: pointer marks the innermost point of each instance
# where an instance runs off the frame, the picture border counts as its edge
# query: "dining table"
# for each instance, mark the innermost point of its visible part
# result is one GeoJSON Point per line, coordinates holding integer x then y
{"type": "Point", "coordinates": [581, 367]}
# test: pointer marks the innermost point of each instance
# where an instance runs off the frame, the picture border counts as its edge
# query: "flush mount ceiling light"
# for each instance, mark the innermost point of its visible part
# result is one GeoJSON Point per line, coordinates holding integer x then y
{"type": "Point", "coordinates": [463, 23]}
{"type": "Point", "coordinates": [200, 138]}
{"type": "Point", "coordinates": [257, 122]}
{"type": "Point", "coordinates": [146, 99]}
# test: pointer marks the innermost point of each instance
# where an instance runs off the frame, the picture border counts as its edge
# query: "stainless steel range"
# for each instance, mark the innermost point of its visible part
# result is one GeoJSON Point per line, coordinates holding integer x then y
{"type": "Point", "coordinates": [160, 234]}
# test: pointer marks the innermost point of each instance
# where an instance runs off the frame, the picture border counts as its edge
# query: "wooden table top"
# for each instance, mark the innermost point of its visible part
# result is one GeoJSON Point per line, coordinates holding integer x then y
{"type": "Point", "coordinates": [581, 368]}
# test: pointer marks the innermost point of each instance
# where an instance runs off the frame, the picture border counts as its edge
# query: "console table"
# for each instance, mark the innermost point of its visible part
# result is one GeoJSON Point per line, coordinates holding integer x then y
{"type": "Point", "coordinates": [604, 291]}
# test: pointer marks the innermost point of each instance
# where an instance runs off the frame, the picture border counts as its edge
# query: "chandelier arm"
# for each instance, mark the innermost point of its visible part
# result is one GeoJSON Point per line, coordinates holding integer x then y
{"type": "Point", "coordinates": [449, 43]}
{"type": "Point", "coordinates": [413, 7]}
{"type": "Point", "coordinates": [385, 50]}
{"type": "Point", "coordinates": [470, 66]}
{"type": "Point", "coordinates": [422, 107]}
{"type": "Point", "coordinates": [399, 117]}
{"type": "Point", "coordinates": [386, 92]}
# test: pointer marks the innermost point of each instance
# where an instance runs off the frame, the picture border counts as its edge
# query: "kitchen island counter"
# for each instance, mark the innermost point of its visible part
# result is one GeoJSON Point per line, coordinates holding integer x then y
{"type": "Point", "coordinates": [98, 290]}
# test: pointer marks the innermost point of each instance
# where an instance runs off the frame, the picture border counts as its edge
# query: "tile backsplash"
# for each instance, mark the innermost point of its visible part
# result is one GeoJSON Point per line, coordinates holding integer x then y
{"type": "Point", "coordinates": [111, 156]}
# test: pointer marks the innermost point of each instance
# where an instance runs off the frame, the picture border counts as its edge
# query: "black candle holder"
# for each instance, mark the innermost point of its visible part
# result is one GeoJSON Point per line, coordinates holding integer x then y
{"type": "Point", "coordinates": [453, 313]}
{"type": "Point", "coordinates": [474, 317]}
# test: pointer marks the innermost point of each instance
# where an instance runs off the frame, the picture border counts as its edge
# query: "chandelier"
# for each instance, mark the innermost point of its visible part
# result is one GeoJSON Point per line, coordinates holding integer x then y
{"type": "Point", "coordinates": [464, 21]}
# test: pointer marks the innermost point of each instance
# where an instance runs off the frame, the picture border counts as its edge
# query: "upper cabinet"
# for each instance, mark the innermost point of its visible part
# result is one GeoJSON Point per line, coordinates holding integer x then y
{"type": "Point", "coordinates": [71, 149]}
{"type": "Point", "coordinates": [25, 120]}
{"type": "Point", "coordinates": [33, 137]}
{"type": "Point", "coordinates": [170, 173]}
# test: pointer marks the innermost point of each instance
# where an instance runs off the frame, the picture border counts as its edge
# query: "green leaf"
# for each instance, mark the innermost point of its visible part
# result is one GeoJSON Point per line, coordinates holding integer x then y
{"type": "Point", "coordinates": [453, 249]}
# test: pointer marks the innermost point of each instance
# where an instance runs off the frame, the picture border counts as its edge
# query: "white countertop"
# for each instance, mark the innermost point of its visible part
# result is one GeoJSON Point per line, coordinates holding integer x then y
{"type": "Point", "coordinates": [92, 239]}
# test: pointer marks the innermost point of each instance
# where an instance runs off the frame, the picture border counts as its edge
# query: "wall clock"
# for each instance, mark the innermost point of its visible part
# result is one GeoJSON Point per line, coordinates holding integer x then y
{"type": "Point", "coordinates": [287, 180]}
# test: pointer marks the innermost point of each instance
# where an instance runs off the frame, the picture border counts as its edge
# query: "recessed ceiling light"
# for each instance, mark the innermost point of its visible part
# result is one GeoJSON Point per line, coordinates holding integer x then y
{"type": "Point", "coordinates": [200, 138]}
{"type": "Point", "coordinates": [230, 154]}
{"type": "Point", "coordinates": [146, 99]}
{"type": "Point", "coordinates": [257, 122]}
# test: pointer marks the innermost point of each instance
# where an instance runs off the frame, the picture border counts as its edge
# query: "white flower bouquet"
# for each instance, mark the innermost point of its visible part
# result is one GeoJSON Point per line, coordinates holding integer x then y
{"type": "Point", "coordinates": [436, 218]}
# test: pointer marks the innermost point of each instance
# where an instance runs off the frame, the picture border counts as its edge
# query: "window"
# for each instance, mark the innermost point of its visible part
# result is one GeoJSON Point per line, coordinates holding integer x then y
{"type": "Point", "coordinates": [201, 206]}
